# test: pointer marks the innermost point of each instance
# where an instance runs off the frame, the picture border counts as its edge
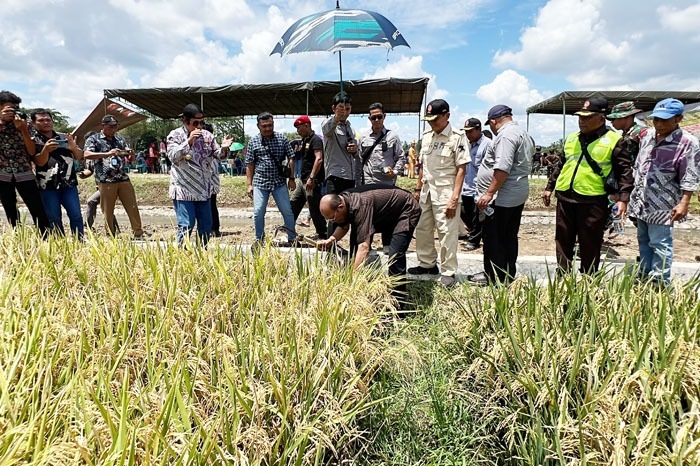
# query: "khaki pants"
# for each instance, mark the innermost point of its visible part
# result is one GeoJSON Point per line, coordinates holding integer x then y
{"type": "Point", "coordinates": [432, 217]}
{"type": "Point", "coordinates": [124, 190]}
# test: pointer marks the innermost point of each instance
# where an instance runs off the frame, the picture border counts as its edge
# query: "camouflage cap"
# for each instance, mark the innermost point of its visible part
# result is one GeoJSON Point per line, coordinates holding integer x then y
{"type": "Point", "coordinates": [622, 110]}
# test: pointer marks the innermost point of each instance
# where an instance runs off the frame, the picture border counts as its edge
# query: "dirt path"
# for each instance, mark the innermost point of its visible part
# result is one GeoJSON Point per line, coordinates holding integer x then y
{"type": "Point", "coordinates": [536, 236]}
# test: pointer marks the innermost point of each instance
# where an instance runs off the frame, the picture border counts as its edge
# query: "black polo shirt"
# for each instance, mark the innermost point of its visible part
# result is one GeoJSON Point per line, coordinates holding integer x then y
{"type": "Point", "coordinates": [380, 209]}
{"type": "Point", "coordinates": [309, 146]}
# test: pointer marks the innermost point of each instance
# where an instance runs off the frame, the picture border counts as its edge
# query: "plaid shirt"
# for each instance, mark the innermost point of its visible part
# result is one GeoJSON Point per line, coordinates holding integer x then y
{"type": "Point", "coordinates": [104, 171]}
{"type": "Point", "coordinates": [267, 156]}
{"type": "Point", "coordinates": [662, 172]}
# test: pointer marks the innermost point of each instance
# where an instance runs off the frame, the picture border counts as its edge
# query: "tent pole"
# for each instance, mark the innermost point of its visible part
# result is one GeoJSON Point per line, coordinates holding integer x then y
{"type": "Point", "coordinates": [563, 116]}
{"type": "Point", "coordinates": [201, 102]}
{"type": "Point", "coordinates": [527, 124]}
{"type": "Point", "coordinates": [307, 101]}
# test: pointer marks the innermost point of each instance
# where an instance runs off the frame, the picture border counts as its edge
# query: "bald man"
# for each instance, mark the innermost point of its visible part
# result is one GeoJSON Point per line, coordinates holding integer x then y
{"type": "Point", "coordinates": [372, 209]}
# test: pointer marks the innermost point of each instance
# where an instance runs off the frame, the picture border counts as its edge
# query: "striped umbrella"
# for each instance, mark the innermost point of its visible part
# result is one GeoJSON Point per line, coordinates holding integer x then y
{"type": "Point", "coordinates": [339, 29]}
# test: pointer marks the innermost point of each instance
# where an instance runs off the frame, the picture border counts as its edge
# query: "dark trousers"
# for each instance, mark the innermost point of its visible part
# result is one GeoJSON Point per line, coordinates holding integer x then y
{"type": "Point", "coordinates": [500, 235]}
{"type": "Point", "coordinates": [29, 191]}
{"type": "Point", "coordinates": [335, 185]}
{"type": "Point", "coordinates": [300, 197]}
{"type": "Point", "coordinates": [470, 216]}
{"type": "Point", "coordinates": [215, 222]}
{"type": "Point", "coordinates": [585, 221]}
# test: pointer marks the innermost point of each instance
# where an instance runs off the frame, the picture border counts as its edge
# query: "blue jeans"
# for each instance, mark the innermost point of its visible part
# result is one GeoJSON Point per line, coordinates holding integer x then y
{"type": "Point", "coordinates": [68, 198]}
{"type": "Point", "coordinates": [189, 212]}
{"type": "Point", "coordinates": [281, 197]}
{"type": "Point", "coordinates": [655, 250]}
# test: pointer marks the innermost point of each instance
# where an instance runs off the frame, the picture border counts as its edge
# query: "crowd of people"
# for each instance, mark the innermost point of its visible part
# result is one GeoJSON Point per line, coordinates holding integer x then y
{"type": "Point", "coordinates": [466, 176]}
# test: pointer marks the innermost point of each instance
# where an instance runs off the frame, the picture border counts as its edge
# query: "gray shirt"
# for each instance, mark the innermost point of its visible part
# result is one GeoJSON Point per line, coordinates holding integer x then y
{"type": "Point", "coordinates": [510, 152]}
{"type": "Point", "coordinates": [388, 153]}
{"type": "Point", "coordinates": [337, 161]}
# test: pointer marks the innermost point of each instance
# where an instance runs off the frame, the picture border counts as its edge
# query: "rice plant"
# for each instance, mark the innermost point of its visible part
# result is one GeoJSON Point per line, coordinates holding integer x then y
{"type": "Point", "coordinates": [113, 353]}
{"type": "Point", "coordinates": [585, 371]}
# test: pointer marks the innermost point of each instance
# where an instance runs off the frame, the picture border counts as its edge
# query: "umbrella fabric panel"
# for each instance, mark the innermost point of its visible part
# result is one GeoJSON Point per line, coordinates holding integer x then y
{"type": "Point", "coordinates": [339, 29]}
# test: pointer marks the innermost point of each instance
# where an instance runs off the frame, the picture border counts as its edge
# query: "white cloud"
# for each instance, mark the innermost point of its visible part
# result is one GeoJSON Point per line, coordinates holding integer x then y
{"type": "Point", "coordinates": [510, 88]}
{"type": "Point", "coordinates": [610, 45]}
{"type": "Point", "coordinates": [683, 20]}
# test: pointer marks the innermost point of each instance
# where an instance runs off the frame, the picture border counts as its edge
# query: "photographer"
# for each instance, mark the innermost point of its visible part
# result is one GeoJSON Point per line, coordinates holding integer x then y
{"type": "Point", "coordinates": [17, 150]}
{"type": "Point", "coordinates": [269, 164]}
{"type": "Point", "coordinates": [108, 150]}
{"type": "Point", "coordinates": [55, 172]}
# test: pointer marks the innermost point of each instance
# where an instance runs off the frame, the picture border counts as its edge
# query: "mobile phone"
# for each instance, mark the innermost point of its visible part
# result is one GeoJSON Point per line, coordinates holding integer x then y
{"type": "Point", "coordinates": [62, 142]}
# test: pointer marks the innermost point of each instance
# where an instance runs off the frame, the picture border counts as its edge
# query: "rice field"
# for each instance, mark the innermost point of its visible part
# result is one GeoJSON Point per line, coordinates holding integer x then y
{"type": "Point", "coordinates": [113, 353]}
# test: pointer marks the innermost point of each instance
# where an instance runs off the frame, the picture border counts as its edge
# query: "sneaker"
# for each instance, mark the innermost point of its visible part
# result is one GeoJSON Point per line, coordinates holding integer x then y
{"type": "Point", "coordinates": [418, 270]}
{"type": "Point", "coordinates": [447, 280]}
{"type": "Point", "coordinates": [478, 279]}
{"type": "Point", "coordinates": [471, 246]}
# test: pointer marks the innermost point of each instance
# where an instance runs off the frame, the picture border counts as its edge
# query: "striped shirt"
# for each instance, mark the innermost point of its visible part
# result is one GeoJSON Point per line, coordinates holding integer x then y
{"type": "Point", "coordinates": [662, 172]}
{"type": "Point", "coordinates": [192, 171]}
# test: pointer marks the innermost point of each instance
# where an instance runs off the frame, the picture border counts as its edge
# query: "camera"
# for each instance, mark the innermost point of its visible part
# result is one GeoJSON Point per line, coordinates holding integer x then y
{"type": "Point", "coordinates": [21, 114]}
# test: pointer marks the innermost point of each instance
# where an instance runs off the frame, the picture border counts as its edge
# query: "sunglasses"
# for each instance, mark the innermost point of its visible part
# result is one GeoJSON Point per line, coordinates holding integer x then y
{"type": "Point", "coordinates": [376, 117]}
{"type": "Point", "coordinates": [197, 122]}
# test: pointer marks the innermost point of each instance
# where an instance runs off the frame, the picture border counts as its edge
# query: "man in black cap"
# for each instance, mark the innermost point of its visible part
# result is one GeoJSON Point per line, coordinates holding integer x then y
{"type": "Point", "coordinates": [502, 189]}
{"type": "Point", "coordinates": [110, 153]}
{"type": "Point", "coordinates": [582, 200]}
{"type": "Point", "coordinates": [443, 161]}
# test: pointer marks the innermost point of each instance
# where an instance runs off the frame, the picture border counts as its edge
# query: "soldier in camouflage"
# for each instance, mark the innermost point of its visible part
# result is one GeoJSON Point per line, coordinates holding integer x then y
{"type": "Point", "coordinates": [622, 119]}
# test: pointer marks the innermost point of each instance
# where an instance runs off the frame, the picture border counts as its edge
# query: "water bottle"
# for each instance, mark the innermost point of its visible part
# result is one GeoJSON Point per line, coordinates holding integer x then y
{"type": "Point", "coordinates": [618, 226]}
{"type": "Point", "coordinates": [486, 213]}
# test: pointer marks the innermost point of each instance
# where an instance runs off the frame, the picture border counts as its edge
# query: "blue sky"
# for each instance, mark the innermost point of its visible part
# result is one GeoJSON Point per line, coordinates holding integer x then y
{"type": "Point", "coordinates": [478, 53]}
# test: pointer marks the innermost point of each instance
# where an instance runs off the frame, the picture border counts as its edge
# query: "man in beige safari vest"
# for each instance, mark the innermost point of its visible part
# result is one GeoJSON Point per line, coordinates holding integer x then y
{"type": "Point", "coordinates": [443, 164]}
{"type": "Point", "coordinates": [582, 202]}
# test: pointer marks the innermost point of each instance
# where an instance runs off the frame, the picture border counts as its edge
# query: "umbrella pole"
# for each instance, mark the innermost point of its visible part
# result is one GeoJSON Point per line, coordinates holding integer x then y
{"type": "Point", "coordinates": [340, 62]}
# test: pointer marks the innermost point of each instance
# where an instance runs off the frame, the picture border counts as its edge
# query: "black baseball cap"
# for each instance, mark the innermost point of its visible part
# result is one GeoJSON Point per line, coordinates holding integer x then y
{"type": "Point", "coordinates": [472, 123]}
{"type": "Point", "coordinates": [109, 120]}
{"type": "Point", "coordinates": [435, 108]}
{"type": "Point", "coordinates": [593, 105]}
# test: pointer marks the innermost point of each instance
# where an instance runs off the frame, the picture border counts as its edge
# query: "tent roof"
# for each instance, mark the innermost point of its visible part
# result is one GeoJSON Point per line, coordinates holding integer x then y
{"type": "Point", "coordinates": [397, 96]}
{"type": "Point", "coordinates": [93, 122]}
{"type": "Point", "coordinates": [573, 100]}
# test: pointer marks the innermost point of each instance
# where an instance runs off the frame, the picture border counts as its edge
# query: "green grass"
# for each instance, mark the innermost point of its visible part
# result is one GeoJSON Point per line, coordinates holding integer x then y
{"type": "Point", "coordinates": [587, 370]}
{"type": "Point", "coordinates": [152, 190]}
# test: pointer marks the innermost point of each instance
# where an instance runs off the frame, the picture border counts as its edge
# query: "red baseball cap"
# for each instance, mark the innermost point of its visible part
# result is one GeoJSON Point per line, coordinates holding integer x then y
{"type": "Point", "coordinates": [302, 120]}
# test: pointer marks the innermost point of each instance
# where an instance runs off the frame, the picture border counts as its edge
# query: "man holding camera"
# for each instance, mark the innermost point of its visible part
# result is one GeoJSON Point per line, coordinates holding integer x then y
{"type": "Point", "coordinates": [108, 150]}
{"type": "Point", "coordinates": [269, 166]}
{"type": "Point", "coordinates": [56, 174]}
{"type": "Point", "coordinates": [17, 149]}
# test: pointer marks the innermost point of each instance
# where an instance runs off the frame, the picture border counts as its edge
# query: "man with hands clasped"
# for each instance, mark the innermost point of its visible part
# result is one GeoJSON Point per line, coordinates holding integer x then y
{"type": "Point", "coordinates": [270, 171]}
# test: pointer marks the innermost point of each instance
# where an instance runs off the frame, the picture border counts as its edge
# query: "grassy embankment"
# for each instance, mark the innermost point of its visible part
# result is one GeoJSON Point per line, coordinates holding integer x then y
{"type": "Point", "coordinates": [152, 190]}
{"type": "Point", "coordinates": [155, 355]}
